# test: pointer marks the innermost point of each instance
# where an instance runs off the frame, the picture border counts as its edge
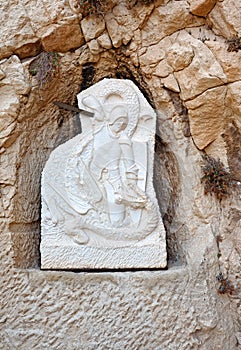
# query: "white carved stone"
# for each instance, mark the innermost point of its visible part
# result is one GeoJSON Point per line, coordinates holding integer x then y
{"type": "Point", "coordinates": [99, 208]}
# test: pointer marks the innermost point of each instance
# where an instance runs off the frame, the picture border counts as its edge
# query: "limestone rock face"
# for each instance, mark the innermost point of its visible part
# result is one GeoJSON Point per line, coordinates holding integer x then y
{"type": "Point", "coordinates": [122, 22]}
{"type": "Point", "coordinates": [20, 25]}
{"type": "Point", "coordinates": [92, 27]}
{"type": "Point", "coordinates": [225, 18]}
{"type": "Point", "coordinates": [200, 110]}
{"type": "Point", "coordinates": [184, 56]}
{"type": "Point", "coordinates": [166, 20]}
{"type": "Point", "coordinates": [62, 38]}
{"type": "Point", "coordinates": [229, 61]}
{"type": "Point", "coordinates": [180, 55]}
{"type": "Point", "coordinates": [234, 99]}
{"type": "Point", "coordinates": [153, 54]}
{"type": "Point", "coordinates": [203, 72]}
{"type": "Point", "coordinates": [202, 7]}
{"type": "Point", "coordinates": [104, 41]}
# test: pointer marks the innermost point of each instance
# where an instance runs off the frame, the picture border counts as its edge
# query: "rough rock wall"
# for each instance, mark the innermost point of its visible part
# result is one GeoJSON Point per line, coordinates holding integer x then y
{"type": "Point", "coordinates": [185, 57]}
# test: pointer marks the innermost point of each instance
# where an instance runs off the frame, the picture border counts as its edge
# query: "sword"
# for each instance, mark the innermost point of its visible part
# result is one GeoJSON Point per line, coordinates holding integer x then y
{"type": "Point", "coordinates": [72, 108]}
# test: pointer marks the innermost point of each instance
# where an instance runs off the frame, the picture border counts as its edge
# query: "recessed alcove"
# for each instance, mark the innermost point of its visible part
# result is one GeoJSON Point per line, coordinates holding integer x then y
{"type": "Point", "coordinates": [46, 127]}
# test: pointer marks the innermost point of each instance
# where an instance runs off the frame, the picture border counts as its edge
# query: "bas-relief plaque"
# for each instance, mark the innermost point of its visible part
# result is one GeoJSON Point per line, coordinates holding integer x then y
{"type": "Point", "coordinates": [99, 208]}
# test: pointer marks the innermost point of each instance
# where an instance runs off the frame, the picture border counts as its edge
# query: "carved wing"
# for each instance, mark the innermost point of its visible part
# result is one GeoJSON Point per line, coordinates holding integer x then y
{"type": "Point", "coordinates": [81, 188]}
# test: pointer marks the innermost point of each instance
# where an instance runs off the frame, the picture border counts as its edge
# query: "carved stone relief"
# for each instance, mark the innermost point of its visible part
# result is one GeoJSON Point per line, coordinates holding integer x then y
{"type": "Point", "coordinates": [99, 209]}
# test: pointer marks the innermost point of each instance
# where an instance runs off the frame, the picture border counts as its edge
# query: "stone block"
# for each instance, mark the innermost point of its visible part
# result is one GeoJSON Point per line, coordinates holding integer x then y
{"type": "Point", "coordinates": [202, 7]}
{"type": "Point", "coordinates": [179, 56]}
{"type": "Point", "coordinates": [99, 208]}
{"type": "Point", "coordinates": [92, 27]}
{"type": "Point", "coordinates": [204, 71]}
{"type": "Point", "coordinates": [62, 38]}
{"type": "Point", "coordinates": [104, 41]}
{"type": "Point", "coordinates": [207, 116]}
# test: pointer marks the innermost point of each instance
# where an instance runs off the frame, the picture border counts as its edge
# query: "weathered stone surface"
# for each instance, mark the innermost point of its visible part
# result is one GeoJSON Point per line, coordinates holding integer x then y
{"type": "Point", "coordinates": [8, 125]}
{"type": "Point", "coordinates": [75, 7]}
{"type": "Point", "coordinates": [166, 20]}
{"type": "Point", "coordinates": [207, 112]}
{"type": "Point", "coordinates": [114, 31]}
{"type": "Point", "coordinates": [180, 55]}
{"type": "Point", "coordinates": [203, 73]}
{"type": "Point", "coordinates": [218, 149]}
{"type": "Point", "coordinates": [62, 38]}
{"type": "Point", "coordinates": [58, 12]}
{"type": "Point", "coordinates": [171, 83]}
{"type": "Point", "coordinates": [2, 74]}
{"type": "Point", "coordinates": [9, 100]}
{"type": "Point", "coordinates": [91, 301]}
{"type": "Point", "coordinates": [162, 69]}
{"type": "Point", "coordinates": [12, 86]}
{"type": "Point", "coordinates": [25, 239]}
{"type": "Point", "coordinates": [153, 54]}
{"type": "Point", "coordinates": [15, 76]}
{"type": "Point", "coordinates": [123, 22]}
{"type": "Point", "coordinates": [38, 14]}
{"type": "Point", "coordinates": [202, 7]}
{"type": "Point", "coordinates": [104, 41]}
{"type": "Point", "coordinates": [232, 132]}
{"type": "Point", "coordinates": [226, 18]}
{"type": "Point", "coordinates": [92, 27]}
{"type": "Point", "coordinates": [29, 50]}
{"type": "Point", "coordinates": [26, 23]}
{"type": "Point", "coordinates": [19, 30]}
{"type": "Point", "coordinates": [94, 47]}
{"type": "Point", "coordinates": [234, 99]}
{"type": "Point", "coordinates": [232, 138]}
{"type": "Point", "coordinates": [230, 61]}
{"type": "Point", "coordinates": [153, 61]}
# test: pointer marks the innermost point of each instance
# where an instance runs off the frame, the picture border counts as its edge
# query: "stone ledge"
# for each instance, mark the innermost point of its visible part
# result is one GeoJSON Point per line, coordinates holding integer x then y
{"type": "Point", "coordinates": [154, 276]}
{"type": "Point", "coordinates": [84, 257]}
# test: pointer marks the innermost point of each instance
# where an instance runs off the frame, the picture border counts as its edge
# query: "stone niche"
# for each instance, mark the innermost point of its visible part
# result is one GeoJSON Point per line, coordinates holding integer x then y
{"type": "Point", "coordinates": [99, 207]}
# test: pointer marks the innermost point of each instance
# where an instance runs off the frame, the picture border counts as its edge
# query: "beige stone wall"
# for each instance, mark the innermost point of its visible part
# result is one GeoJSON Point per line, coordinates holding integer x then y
{"type": "Point", "coordinates": [178, 55]}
